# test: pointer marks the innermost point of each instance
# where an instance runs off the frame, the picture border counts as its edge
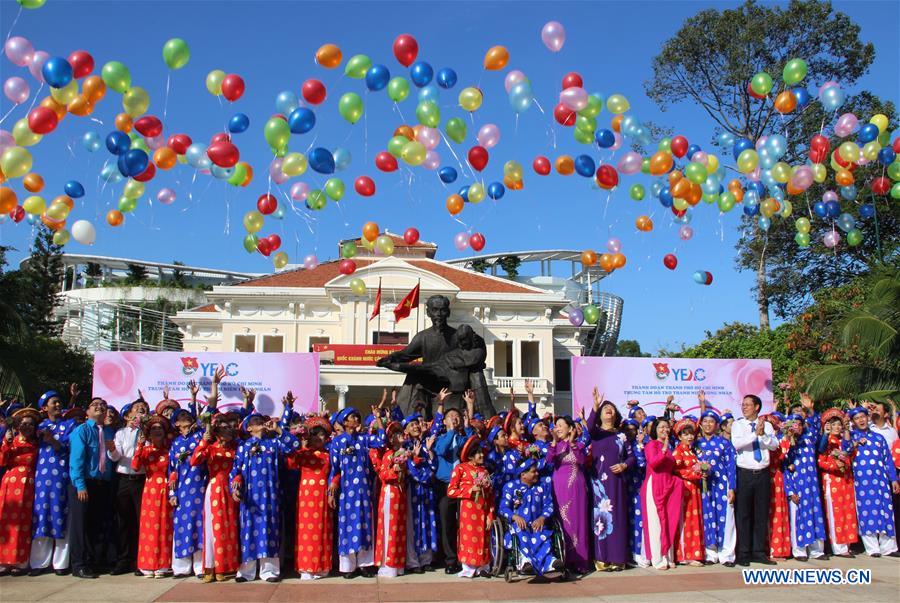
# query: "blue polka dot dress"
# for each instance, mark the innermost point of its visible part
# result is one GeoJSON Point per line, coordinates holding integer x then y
{"type": "Point", "coordinates": [350, 461]}
{"type": "Point", "coordinates": [873, 472]}
{"type": "Point", "coordinates": [189, 488]}
{"type": "Point", "coordinates": [802, 479]}
{"type": "Point", "coordinates": [51, 484]}
{"type": "Point", "coordinates": [423, 506]}
{"type": "Point", "coordinates": [529, 503]}
{"type": "Point", "coordinates": [722, 477]}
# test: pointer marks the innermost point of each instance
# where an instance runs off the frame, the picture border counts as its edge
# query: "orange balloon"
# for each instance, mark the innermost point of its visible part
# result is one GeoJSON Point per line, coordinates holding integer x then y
{"type": "Point", "coordinates": [617, 123]}
{"type": "Point", "coordinates": [588, 257]}
{"type": "Point", "coordinates": [52, 224]}
{"type": "Point", "coordinates": [124, 123]}
{"type": "Point", "coordinates": [738, 194]}
{"type": "Point", "coordinates": [329, 56]}
{"type": "Point", "coordinates": [785, 102]}
{"type": "Point", "coordinates": [660, 163]}
{"type": "Point", "coordinates": [496, 58]}
{"type": "Point", "coordinates": [65, 199]}
{"type": "Point", "coordinates": [8, 200]}
{"type": "Point", "coordinates": [114, 217]}
{"type": "Point", "coordinates": [2, 177]}
{"type": "Point", "coordinates": [681, 189]}
{"type": "Point", "coordinates": [607, 262]}
{"type": "Point", "coordinates": [406, 132]}
{"type": "Point", "coordinates": [94, 88]}
{"type": "Point", "coordinates": [33, 182]}
{"type": "Point", "coordinates": [165, 158]}
{"type": "Point", "coordinates": [843, 177]}
{"type": "Point", "coordinates": [644, 223]}
{"type": "Point", "coordinates": [513, 185]}
{"type": "Point", "coordinates": [565, 165]}
{"type": "Point", "coordinates": [791, 189]}
{"type": "Point", "coordinates": [54, 106]}
{"type": "Point", "coordinates": [695, 194]}
{"type": "Point", "coordinates": [249, 177]}
{"type": "Point", "coordinates": [370, 231]}
{"type": "Point", "coordinates": [674, 177]}
{"type": "Point", "coordinates": [81, 106]}
{"type": "Point", "coordinates": [619, 260]}
{"type": "Point", "coordinates": [455, 204]}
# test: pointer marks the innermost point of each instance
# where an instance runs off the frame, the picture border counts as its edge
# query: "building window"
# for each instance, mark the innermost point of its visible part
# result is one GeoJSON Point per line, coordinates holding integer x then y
{"type": "Point", "coordinates": [320, 340]}
{"type": "Point", "coordinates": [503, 359]}
{"type": "Point", "coordinates": [245, 343]}
{"type": "Point", "coordinates": [562, 374]}
{"type": "Point", "coordinates": [530, 354]}
{"type": "Point", "coordinates": [273, 343]}
{"type": "Point", "coordinates": [385, 338]}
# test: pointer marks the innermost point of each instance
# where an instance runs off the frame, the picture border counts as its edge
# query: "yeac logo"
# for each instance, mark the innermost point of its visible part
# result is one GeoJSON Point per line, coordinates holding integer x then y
{"type": "Point", "coordinates": [678, 374]}
{"type": "Point", "coordinates": [190, 366]}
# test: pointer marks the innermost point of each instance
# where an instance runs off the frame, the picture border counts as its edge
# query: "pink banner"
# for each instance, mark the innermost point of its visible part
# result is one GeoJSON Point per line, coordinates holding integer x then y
{"type": "Point", "coordinates": [651, 380]}
{"type": "Point", "coordinates": [118, 376]}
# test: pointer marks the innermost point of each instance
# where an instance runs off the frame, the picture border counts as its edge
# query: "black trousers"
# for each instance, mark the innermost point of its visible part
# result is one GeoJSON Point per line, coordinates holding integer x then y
{"type": "Point", "coordinates": [128, 511]}
{"type": "Point", "coordinates": [752, 513]}
{"type": "Point", "coordinates": [87, 524]}
{"type": "Point", "coordinates": [448, 510]}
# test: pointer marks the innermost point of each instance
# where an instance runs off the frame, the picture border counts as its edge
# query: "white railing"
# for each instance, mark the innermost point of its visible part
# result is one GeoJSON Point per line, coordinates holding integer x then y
{"type": "Point", "coordinates": [541, 385]}
{"type": "Point", "coordinates": [105, 326]}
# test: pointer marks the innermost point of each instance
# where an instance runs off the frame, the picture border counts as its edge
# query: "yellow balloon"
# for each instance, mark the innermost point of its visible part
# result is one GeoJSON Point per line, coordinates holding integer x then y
{"type": "Point", "coordinates": [280, 260]}
{"type": "Point", "coordinates": [512, 169]}
{"type": "Point", "coordinates": [61, 237]}
{"type": "Point", "coordinates": [849, 151]}
{"type": "Point", "coordinates": [781, 172]}
{"type": "Point", "coordinates": [66, 94]}
{"type": "Point", "coordinates": [870, 150]}
{"type": "Point", "coordinates": [786, 209]}
{"type": "Point", "coordinates": [712, 163]}
{"type": "Point", "coordinates": [476, 193]}
{"type": "Point", "coordinates": [15, 162]}
{"type": "Point", "coordinates": [253, 221]}
{"type": "Point", "coordinates": [879, 120]}
{"type": "Point", "coordinates": [747, 161]}
{"type": "Point", "coordinates": [819, 172]}
{"type": "Point", "coordinates": [136, 101]}
{"type": "Point", "coordinates": [133, 189]}
{"type": "Point", "coordinates": [617, 104]}
{"type": "Point", "coordinates": [470, 99]}
{"type": "Point", "coordinates": [58, 211]}
{"type": "Point", "coordinates": [23, 135]}
{"type": "Point", "coordinates": [294, 164]}
{"type": "Point", "coordinates": [34, 205]}
{"type": "Point", "coordinates": [680, 204]}
{"type": "Point", "coordinates": [214, 81]}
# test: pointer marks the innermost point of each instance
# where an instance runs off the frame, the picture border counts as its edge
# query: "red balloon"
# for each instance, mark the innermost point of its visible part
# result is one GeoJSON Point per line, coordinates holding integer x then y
{"type": "Point", "coordinates": [476, 241]}
{"type": "Point", "coordinates": [411, 236]}
{"type": "Point", "coordinates": [42, 120]}
{"type": "Point", "coordinates": [82, 63]}
{"type": "Point", "coordinates": [266, 204]}
{"type": "Point", "coordinates": [541, 165]}
{"type": "Point", "coordinates": [896, 145]}
{"type": "Point", "coordinates": [220, 137]}
{"type": "Point", "coordinates": [607, 176]}
{"type": "Point", "coordinates": [179, 143]}
{"type": "Point", "coordinates": [679, 146]}
{"type": "Point", "coordinates": [18, 214]}
{"type": "Point", "coordinates": [264, 247]}
{"type": "Point", "coordinates": [754, 94]}
{"type": "Point", "coordinates": [149, 126]}
{"type": "Point", "coordinates": [564, 116]}
{"type": "Point", "coordinates": [406, 49]}
{"type": "Point", "coordinates": [881, 186]}
{"type": "Point", "coordinates": [670, 261]}
{"type": "Point", "coordinates": [572, 80]}
{"type": "Point", "coordinates": [842, 162]}
{"type": "Point", "coordinates": [365, 186]}
{"type": "Point", "coordinates": [232, 87]}
{"type": "Point", "coordinates": [274, 241]}
{"type": "Point", "coordinates": [313, 91]}
{"type": "Point", "coordinates": [818, 148]}
{"type": "Point", "coordinates": [678, 212]}
{"type": "Point", "coordinates": [223, 154]}
{"type": "Point", "coordinates": [148, 174]}
{"type": "Point", "coordinates": [478, 158]}
{"type": "Point", "coordinates": [347, 267]}
{"type": "Point", "coordinates": [386, 162]}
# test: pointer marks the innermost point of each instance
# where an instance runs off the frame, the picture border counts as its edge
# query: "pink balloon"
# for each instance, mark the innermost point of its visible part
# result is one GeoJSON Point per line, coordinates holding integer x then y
{"type": "Point", "coordinates": [166, 196]}
{"type": "Point", "coordinates": [16, 89]}
{"type": "Point", "coordinates": [36, 66]}
{"type": "Point", "coordinates": [831, 239]}
{"type": "Point", "coordinates": [278, 177]}
{"type": "Point", "coordinates": [6, 140]}
{"type": "Point", "coordinates": [553, 35]}
{"type": "Point", "coordinates": [630, 163]}
{"type": "Point", "coordinates": [488, 135]}
{"type": "Point", "coordinates": [299, 190]}
{"type": "Point", "coordinates": [18, 50]}
{"type": "Point", "coordinates": [156, 142]}
{"type": "Point", "coordinates": [802, 178]}
{"type": "Point", "coordinates": [512, 78]}
{"type": "Point", "coordinates": [574, 98]}
{"type": "Point", "coordinates": [685, 232]}
{"type": "Point", "coordinates": [461, 241]}
{"type": "Point", "coordinates": [846, 125]}
{"type": "Point", "coordinates": [829, 196]}
{"type": "Point", "coordinates": [429, 137]}
{"type": "Point", "coordinates": [614, 245]}
{"type": "Point", "coordinates": [310, 262]}
{"type": "Point", "coordinates": [826, 86]}
{"type": "Point", "coordinates": [432, 160]}
{"type": "Point", "coordinates": [618, 141]}
{"type": "Point", "coordinates": [760, 142]}
{"type": "Point", "coordinates": [754, 175]}
{"type": "Point", "coordinates": [700, 157]}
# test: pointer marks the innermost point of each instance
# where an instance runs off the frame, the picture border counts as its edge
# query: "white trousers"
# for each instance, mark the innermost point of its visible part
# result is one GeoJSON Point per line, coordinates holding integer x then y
{"type": "Point", "coordinates": [879, 543]}
{"type": "Point", "coordinates": [470, 571]}
{"type": "Point", "coordinates": [313, 575]}
{"type": "Point", "coordinates": [46, 550]}
{"type": "Point", "coordinates": [658, 558]}
{"type": "Point", "coordinates": [184, 565]}
{"type": "Point", "coordinates": [269, 567]}
{"type": "Point", "coordinates": [814, 550]}
{"type": "Point", "coordinates": [725, 553]}
{"type": "Point", "coordinates": [363, 558]}
{"type": "Point", "coordinates": [837, 549]}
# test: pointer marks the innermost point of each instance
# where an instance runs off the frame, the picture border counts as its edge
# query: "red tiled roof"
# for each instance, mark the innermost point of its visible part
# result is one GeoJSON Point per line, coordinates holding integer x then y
{"type": "Point", "coordinates": [206, 308]}
{"type": "Point", "coordinates": [466, 280]}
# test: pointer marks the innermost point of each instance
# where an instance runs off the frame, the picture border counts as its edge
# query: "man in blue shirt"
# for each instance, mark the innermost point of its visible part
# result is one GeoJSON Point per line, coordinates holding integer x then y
{"type": "Point", "coordinates": [90, 472]}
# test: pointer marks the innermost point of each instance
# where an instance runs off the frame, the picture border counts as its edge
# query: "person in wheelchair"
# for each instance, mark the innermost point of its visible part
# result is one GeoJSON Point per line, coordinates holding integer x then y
{"type": "Point", "coordinates": [527, 506]}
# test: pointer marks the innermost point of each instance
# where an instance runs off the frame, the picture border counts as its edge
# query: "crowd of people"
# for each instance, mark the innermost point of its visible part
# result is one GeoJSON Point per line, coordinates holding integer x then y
{"type": "Point", "coordinates": [233, 494]}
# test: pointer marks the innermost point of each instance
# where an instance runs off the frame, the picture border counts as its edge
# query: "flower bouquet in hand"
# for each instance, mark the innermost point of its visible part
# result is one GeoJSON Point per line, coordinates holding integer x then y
{"type": "Point", "coordinates": [184, 455]}
{"type": "Point", "coordinates": [703, 469]}
{"type": "Point", "coordinates": [532, 452]}
{"type": "Point", "coordinates": [482, 481]}
{"type": "Point", "coordinates": [205, 419]}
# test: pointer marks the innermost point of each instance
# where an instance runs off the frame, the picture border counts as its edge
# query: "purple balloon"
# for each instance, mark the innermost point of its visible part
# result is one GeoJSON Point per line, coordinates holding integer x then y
{"type": "Point", "coordinates": [17, 90]}
{"type": "Point", "coordinates": [36, 66]}
{"type": "Point", "coordinates": [310, 262]}
{"type": "Point", "coordinates": [166, 196]}
{"type": "Point", "coordinates": [432, 160]}
{"type": "Point", "coordinates": [829, 196]}
{"type": "Point", "coordinates": [18, 50]}
{"type": "Point", "coordinates": [553, 35]}
{"type": "Point", "coordinates": [488, 135]}
{"type": "Point", "coordinates": [299, 190]}
{"type": "Point", "coordinates": [576, 317]}
{"type": "Point", "coordinates": [630, 163]}
{"type": "Point", "coordinates": [429, 137]}
{"type": "Point", "coordinates": [512, 78]}
{"type": "Point", "coordinates": [685, 232]}
{"type": "Point", "coordinates": [574, 98]}
{"type": "Point", "coordinates": [831, 239]}
{"type": "Point", "coordinates": [614, 245]}
{"type": "Point", "coordinates": [461, 241]}
{"type": "Point", "coordinates": [275, 172]}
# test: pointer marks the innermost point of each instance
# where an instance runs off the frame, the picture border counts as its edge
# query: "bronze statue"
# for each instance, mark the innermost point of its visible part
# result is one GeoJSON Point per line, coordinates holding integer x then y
{"type": "Point", "coordinates": [451, 358]}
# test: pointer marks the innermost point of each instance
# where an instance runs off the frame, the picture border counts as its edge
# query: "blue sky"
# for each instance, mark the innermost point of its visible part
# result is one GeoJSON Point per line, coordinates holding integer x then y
{"type": "Point", "coordinates": [272, 45]}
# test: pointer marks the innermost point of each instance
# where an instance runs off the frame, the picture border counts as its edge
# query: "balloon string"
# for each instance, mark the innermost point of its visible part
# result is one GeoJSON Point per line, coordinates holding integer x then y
{"type": "Point", "coordinates": [166, 102]}
{"type": "Point", "coordinates": [16, 20]}
{"type": "Point", "coordinates": [11, 109]}
{"type": "Point", "coordinates": [36, 95]}
{"type": "Point", "coordinates": [455, 156]}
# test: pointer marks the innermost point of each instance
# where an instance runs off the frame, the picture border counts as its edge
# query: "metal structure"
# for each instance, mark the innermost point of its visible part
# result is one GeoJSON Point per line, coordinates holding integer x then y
{"type": "Point", "coordinates": [98, 326]}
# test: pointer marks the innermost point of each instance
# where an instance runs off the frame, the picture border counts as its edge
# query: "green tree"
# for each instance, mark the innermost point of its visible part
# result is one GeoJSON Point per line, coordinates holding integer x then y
{"type": "Point", "coordinates": [479, 265]}
{"type": "Point", "coordinates": [39, 283]}
{"type": "Point", "coordinates": [178, 277]}
{"type": "Point", "coordinates": [94, 273]}
{"type": "Point", "coordinates": [630, 348]}
{"type": "Point", "coordinates": [510, 264]}
{"type": "Point", "coordinates": [137, 274]}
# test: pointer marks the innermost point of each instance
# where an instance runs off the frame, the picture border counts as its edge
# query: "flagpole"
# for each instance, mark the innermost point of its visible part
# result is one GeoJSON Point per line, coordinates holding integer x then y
{"type": "Point", "coordinates": [378, 326]}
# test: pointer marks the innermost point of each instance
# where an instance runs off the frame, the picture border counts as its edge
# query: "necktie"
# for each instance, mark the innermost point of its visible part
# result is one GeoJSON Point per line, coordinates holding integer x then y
{"type": "Point", "coordinates": [101, 447]}
{"type": "Point", "coordinates": [757, 453]}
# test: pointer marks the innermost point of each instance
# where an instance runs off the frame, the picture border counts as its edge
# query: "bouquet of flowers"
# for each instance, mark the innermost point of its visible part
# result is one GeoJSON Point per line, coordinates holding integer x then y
{"type": "Point", "coordinates": [256, 449]}
{"type": "Point", "coordinates": [205, 419]}
{"type": "Point", "coordinates": [184, 455]}
{"type": "Point", "coordinates": [401, 456]}
{"type": "Point", "coordinates": [703, 469]}
{"type": "Point", "coordinates": [482, 481]}
{"type": "Point", "coordinates": [532, 451]}
{"type": "Point", "coordinates": [839, 455]}
{"type": "Point", "coordinates": [300, 432]}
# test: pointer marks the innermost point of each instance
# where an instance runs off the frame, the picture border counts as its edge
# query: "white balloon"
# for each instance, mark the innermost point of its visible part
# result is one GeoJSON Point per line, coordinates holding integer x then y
{"type": "Point", "coordinates": [84, 232]}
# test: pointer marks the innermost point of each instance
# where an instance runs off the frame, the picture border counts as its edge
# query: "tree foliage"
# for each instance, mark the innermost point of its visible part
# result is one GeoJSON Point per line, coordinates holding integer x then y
{"type": "Point", "coordinates": [630, 348]}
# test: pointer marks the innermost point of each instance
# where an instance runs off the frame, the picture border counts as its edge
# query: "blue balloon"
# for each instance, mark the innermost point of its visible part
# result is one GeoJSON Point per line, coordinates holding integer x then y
{"type": "Point", "coordinates": [605, 138]}
{"type": "Point", "coordinates": [725, 139]}
{"type": "Point", "coordinates": [301, 120]}
{"type": "Point", "coordinates": [868, 133]}
{"type": "Point", "coordinates": [832, 209]}
{"type": "Point", "coordinates": [464, 193]}
{"type": "Point", "coordinates": [447, 174]}
{"type": "Point", "coordinates": [91, 141]}
{"type": "Point", "coordinates": [820, 210]}
{"type": "Point", "coordinates": [74, 189]}
{"type": "Point", "coordinates": [585, 166]}
{"type": "Point", "coordinates": [57, 72]}
{"type": "Point", "coordinates": [741, 145]}
{"type": "Point", "coordinates": [751, 210]}
{"type": "Point", "coordinates": [238, 123]}
{"type": "Point", "coordinates": [803, 97]}
{"type": "Point", "coordinates": [135, 161]}
{"type": "Point", "coordinates": [341, 159]}
{"type": "Point", "coordinates": [832, 98]}
{"type": "Point", "coordinates": [848, 192]}
{"type": "Point", "coordinates": [429, 93]}
{"type": "Point", "coordinates": [521, 96]}
{"type": "Point", "coordinates": [377, 77]}
{"type": "Point", "coordinates": [764, 223]}
{"type": "Point", "coordinates": [886, 156]}
{"type": "Point", "coordinates": [117, 142]}
{"type": "Point", "coordinates": [866, 210]}
{"type": "Point", "coordinates": [692, 149]}
{"type": "Point", "coordinates": [286, 101]}
{"type": "Point", "coordinates": [221, 173]}
{"type": "Point", "coordinates": [110, 174]}
{"type": "Point", "coordinates": [321, 160]}
{"type": "Point", "coordinates": [446, 78]}
{"type": "Point", "coordinates": [665, 197]}
{"type": "Point", "coordinates": [496, 190]}
{"type": "Point", "coordinates": [421, 73]}
{"type": "Point", "coordinates": [758, 186]}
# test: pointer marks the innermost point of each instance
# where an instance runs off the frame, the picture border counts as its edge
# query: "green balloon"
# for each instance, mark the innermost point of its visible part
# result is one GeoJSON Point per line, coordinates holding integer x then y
{"type": "Point", "coordinates": [23, 135]}
{"type": "Point", "coordinates": [351, 107]}
{"type": "Point", "coordinates": [176, 53]}
{"type": "Point", "coordinates": [414, 153]}
{"type": "Point", "coordinates": [794, 71]}
{"type": "Point", "coordinates": [594, 107]}
{"type": "Point", "coordinates": [645, 165]}
{"type": "Point", "coordinates": [455, 129]}
{"type": "Point", "coordinates": [884, 139]}
{"type": "Point", "coordinates": [802, 225]}
{"type": "Point", "coordinates": [141, 144]}
{"type": "Point", "coordinates": [396, 144]}
{"type": "Point", "coordinates": [116, 76]}
{"type": "Point", "coordinates": [586, 123]}
{"type": "Point", "coordinates": [316, 200]}
{"type": "Point", "coordinates": [16, 162]}
{"type": "Point", "coordinates": [637, 192]}
{"type": "Point", "coordinates": [133, 189]}
{"type": "Point", "coordinates": [696, 172]}
{"type": "Point", "coordinates": [726, 202]}
{"type": "Point", "coordinates": [893, 171]}
{"type": "Point", "coordinates": [31, 4]}
{"type": "Point", "coordinates": [126, 205]}
{"type": "Point", "coordinates": [664, 145]}
{"type": "Point", "coordinates": [895, 191]}
{"type": "Point", "coordinates": [239, 175]}
{"type": "Point", "coordinates": [583, 136]}
{"type": "Point", "coordinates": [591, 314]}
{"type": "Point", "coordinates": [854, 237]}
{"type": "Point", "coordinates": [349, 250]}
{"type": "Point", "coordinates": [398, 89]}
{"type": "Point", "coordinates": [61, 237]}
{"type": "Point", "coordinates": [802, 239]}
{"type": "Point", "coordinates": [761, 83]}
{"type": "Point", "coordinates": [277, 133]}
{"type": "Point", "coordinates": [253, 221]}
{"type": "Point", "coordinates": [250, 242]}
{"type": "Point", "coordinates": [428, 114]}
{"type": "Point", "coordinates": [357, 66]}
{"type": "Point", "coordinates": [334, 188]}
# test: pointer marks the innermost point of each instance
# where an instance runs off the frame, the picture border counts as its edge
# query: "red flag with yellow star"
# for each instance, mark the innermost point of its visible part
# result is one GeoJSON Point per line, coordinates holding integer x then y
{"type": "Point", "coordinates": [376, 311]}
{"type": "Point", "coordinates": [407, 304]}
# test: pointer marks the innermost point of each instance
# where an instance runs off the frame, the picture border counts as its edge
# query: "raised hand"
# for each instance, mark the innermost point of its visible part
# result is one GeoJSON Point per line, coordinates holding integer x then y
{"type": "Point", "coordinates": [598, 398]}
{"type": "Point", "coordinates": [429, 442]}
{"type": "Point", "coordinates": [165, 392]}
{"type": "Point", "coordinates": [193, 388]}
{"type": "Point", "coordinates": [73, 393]}
{"type": "Point", "coordinates": [288, 399]}
{"type": "Point", "coordinates": [701, 397]}
{"type": "Point", "coordinates": [529, 387]}
{"type": "Point", "coordinates": [141, 396]}
{"type": "Point", "coordinates": [443, 395]}
{"type": "Point", "coordinates": [219, 374]}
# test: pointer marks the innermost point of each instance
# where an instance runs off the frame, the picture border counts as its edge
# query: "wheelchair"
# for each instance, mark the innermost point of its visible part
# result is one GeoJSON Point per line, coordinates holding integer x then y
{"type": "Point", "coordinates": [505, 562]}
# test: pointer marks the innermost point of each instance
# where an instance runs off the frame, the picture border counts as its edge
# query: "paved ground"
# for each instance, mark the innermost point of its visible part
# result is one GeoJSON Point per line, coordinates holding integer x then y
{"type": "Point", "coordinates": [696, 585]}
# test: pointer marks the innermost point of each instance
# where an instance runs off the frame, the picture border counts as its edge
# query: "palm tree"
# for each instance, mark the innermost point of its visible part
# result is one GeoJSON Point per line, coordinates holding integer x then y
{"type": "Point", "coordinates": [870, 342]}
